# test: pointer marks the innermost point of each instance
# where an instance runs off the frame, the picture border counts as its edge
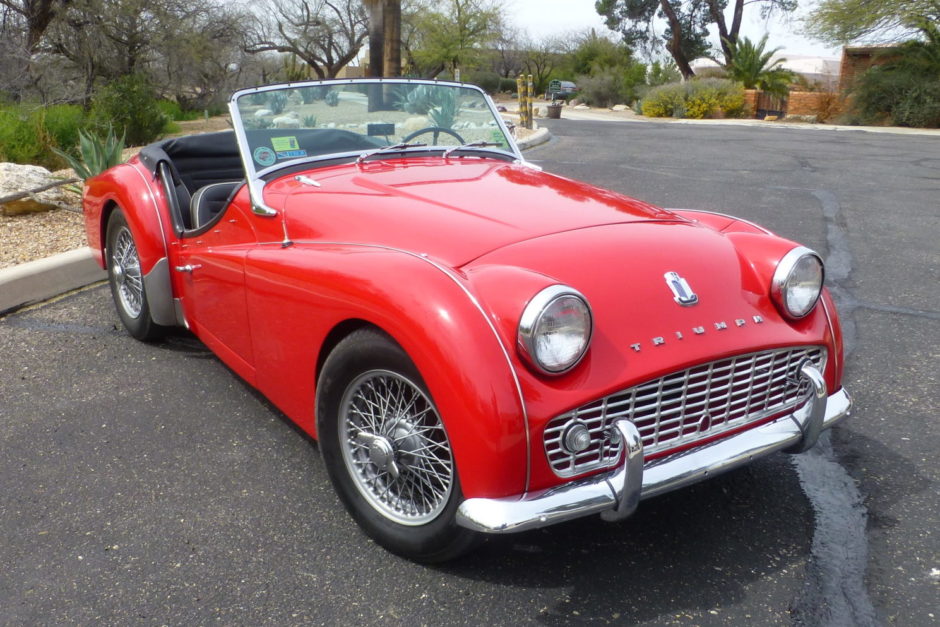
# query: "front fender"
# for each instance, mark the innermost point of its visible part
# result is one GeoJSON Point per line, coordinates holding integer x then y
{"type": "Point", "coordinates": [298, 295]}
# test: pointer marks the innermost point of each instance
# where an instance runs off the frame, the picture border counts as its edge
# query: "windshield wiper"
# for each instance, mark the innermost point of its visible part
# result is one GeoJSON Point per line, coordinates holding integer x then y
{"type": "Point", "coordinates": [391, 148]}
{"type": "Point", "coordinates": [476, 144]}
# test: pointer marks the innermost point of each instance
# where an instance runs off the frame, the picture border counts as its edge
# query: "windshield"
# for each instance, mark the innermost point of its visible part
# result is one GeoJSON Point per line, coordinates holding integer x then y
{"type": "Point", "coordinates": [290, 123]}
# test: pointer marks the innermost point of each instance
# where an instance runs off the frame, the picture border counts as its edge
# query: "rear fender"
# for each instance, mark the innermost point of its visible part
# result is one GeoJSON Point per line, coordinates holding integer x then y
{"type": "Point", "coordinates": [132, 190]}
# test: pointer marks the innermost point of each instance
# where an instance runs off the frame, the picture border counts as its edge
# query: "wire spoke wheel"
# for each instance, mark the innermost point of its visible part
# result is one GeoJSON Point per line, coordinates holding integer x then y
{"type": "Point", "coordinates": [395, 448]}
{"type": "Point", "coordinates": [125, 270]}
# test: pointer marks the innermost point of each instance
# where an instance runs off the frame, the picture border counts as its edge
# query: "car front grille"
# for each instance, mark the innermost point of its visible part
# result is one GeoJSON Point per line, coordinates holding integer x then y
{"type": "Point", "coordinates": [685, 407]}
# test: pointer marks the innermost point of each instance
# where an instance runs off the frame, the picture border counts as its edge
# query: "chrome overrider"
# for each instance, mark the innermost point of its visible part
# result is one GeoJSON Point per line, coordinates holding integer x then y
{"type": "Point", "coordinates": [616, 494]}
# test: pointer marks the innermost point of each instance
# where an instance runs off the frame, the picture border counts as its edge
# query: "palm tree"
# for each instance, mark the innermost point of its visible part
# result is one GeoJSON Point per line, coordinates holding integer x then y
{"type": "Point", "coordinates": [752, 66]}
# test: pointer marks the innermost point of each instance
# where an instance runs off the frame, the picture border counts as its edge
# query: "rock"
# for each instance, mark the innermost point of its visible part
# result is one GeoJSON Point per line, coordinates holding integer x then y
{"type": "Point", "coordinates": [574, 102]}
{"type": "Point", "coordinates": [15, 178]}
{"type": "Point", "coordinates": [414, 123]}
{"type": "Point", "coordinates": [582, 107]}
{"type": "Point", "coordinates": [619, 107]}
{"type": "Point", "coordinates": [288, 120]}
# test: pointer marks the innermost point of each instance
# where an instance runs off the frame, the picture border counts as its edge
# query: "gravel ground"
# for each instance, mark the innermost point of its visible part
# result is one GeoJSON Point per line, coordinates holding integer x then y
{"type": "Point", "coordinates": [36, 235]}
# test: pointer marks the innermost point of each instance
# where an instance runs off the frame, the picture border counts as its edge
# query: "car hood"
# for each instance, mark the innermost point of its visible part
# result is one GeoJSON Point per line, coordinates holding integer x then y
{"type": "Point", "coordinates": [453, 210]}
{"type": "Point", "coordinates": [640, 328]}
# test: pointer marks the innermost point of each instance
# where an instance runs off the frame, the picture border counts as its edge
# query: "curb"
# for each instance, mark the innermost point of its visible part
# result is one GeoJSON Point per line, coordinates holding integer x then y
{"type": "Point", "coordinates": [38, 280]}
{"type": "Point", "coordinates": [602, 115]}
{"type": "Point", "coordinates": [537, 138]}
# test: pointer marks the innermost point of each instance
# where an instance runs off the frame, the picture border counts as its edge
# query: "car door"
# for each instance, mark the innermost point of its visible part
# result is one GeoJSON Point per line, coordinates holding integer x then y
{"type": "Point", "coordinates": [211, 269]}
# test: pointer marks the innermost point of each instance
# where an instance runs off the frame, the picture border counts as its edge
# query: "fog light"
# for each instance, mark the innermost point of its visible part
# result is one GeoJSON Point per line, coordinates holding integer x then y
{"type": "Point", "coordinates": [577, 437]}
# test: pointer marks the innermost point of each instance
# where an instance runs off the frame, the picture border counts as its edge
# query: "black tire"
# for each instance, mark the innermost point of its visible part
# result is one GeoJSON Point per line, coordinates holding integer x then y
{"type": "Point", "coordinates": [378, 472]}
{"type": "Point", "coordinates": [126, 280]}
{"type": "Point", "coordinates": [436, 132]}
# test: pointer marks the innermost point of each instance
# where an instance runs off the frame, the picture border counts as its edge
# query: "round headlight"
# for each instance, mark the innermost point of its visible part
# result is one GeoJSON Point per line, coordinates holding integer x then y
{"type": "Point", "coordinates": [797, 282]}
{"type": "Point", "coordinates": [555, 329]}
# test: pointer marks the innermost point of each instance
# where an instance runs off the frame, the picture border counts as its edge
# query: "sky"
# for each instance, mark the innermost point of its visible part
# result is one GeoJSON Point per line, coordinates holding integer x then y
{"type": "Point", "coordinates": [558, 17]}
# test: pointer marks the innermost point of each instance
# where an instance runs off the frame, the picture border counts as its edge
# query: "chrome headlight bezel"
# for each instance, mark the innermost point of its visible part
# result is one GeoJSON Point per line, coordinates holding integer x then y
{"type": "Point", "coordinates": [791, 266]}
{"type": "Point", "coordinates": [531, 328]}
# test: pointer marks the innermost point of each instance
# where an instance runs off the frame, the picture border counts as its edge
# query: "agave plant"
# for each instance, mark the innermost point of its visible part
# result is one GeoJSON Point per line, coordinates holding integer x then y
{"type": "Point", "coordinates": [751, 65]}
{"type": "Point", "coordinates": [444, 114]}
{"type": "Point", "coordinates": [96, 153]}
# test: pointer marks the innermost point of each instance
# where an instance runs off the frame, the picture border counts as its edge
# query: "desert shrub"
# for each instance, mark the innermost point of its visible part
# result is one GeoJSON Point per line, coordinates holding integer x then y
{"type": "Point", "coordinates": [919, 106]}
{"type": "Point", "coordinates": [129, 106]}
{"type": "Point", "coordinates": [906, 97]}
{"type": "Point", "coordinates": [602, 90]}
{"type": "Point", "coordinates": [62, 124]}
{"type": "Point", "coordinates": [829, 106]}
{"type": "Point", "coordinates": [697, 99]}
{"type": "Point", "coordinates": [613, 85]}
{"type": "Point", "coordinates": [507, 85]}
{"type": "Point", "coordinates": [173, 111]}
{"type": "Point", "coordinates": [701, 103]}
{"type": "Point", "coordinates": [661, 101]}
{"type": "Point", "coordinates": [332, 98]}
{"type": "Point", "coordinates": [19, 136]}
{"type": "Point", "coordinates": [30, 134]}
{"type": "Point", "coordinates": [488, 81]}
{"type": "Point", "coordinates": [277, 102]}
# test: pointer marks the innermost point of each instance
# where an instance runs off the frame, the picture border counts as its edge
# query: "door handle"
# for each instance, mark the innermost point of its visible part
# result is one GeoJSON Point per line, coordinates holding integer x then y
{"type": "Point", "coordinates": [187, 268]}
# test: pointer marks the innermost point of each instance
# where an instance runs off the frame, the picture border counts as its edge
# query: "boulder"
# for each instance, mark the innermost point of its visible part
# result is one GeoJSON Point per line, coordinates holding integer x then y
{"type": "Point", "coordinates": [16, 178]}
{"type": "Point", "coordinates": [619, 107]}
{"type": "Point", "coordinates": [582, 107]}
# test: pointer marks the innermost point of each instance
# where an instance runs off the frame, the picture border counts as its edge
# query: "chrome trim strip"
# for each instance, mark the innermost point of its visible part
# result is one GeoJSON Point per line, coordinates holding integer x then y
{"type": "Point", "coordinates": [596, 494]}
{"type": "Point", "coordinates": [254, 176]}
{"type": "Point", "coordinates": [157, 285]}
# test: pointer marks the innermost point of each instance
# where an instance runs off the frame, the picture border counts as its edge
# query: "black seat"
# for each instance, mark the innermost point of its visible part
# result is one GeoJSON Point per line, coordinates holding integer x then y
{"type": "Point", "coordinates": [210, 200]}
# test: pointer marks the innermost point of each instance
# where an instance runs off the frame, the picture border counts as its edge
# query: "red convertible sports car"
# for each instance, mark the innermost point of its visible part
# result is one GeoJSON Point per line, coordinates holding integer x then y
{"type": "Point", "coordinates": [477, 345]}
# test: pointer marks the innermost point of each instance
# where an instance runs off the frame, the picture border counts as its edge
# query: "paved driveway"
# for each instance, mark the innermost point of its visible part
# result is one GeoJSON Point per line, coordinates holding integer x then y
{"type": "Point", "coordinates": [147, 484]}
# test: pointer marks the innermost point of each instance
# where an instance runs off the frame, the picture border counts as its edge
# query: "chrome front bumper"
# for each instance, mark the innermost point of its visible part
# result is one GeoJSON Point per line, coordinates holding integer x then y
{"type": "Point", "coordinates": [616, 494]}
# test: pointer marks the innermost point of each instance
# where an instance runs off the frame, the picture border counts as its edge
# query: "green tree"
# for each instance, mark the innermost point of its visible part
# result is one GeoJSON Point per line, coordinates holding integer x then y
{"type": "Point", "coordinates": [605, 70]}
{"type": "Point", "coordinates": [542, 59]}
{"type": "Point", "coordinates": [843, 21]}
{"type": "Point", "coordinates": [449, 35]}
{"type": "Point", "coordinates": [755, 68]}
{"type": "Point", "coordinates": [687, 24]}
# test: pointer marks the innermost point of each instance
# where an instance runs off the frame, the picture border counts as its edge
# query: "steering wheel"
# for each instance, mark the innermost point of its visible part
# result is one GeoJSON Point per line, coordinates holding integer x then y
{"type": "Point", "coordinates": [436, 130]}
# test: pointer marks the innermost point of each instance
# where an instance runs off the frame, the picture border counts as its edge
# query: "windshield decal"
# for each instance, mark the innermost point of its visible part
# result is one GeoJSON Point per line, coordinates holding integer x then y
{"type": "Point", "coordinates": [264, 156]}
{"type": "Point", "coordinates": [285, 144]}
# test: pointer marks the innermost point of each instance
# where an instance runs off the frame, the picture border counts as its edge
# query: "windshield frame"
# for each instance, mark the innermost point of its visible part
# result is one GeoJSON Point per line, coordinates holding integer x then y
{"type": "Point", "coordinates": [257, 178]}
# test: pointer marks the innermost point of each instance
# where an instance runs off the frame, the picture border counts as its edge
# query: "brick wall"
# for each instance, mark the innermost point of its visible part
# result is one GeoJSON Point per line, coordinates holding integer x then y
{"type": "Point", "coordinates": [856, 60]}
{"type": "Point", "coordinates": [823, 105]}
{"type": "Point", "coordinates": [750, 103]}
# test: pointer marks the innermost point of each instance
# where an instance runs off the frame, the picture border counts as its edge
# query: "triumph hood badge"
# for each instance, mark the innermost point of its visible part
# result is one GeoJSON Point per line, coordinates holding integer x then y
{"type": "Point", "coordinates": [681, 291]}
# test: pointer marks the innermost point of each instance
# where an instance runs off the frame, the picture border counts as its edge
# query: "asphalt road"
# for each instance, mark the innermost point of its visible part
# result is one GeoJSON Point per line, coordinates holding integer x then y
{"type": "Point", "coordinates": [147, 484]}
